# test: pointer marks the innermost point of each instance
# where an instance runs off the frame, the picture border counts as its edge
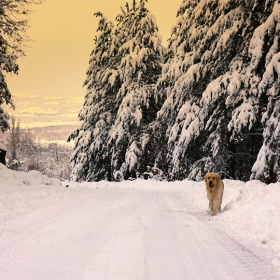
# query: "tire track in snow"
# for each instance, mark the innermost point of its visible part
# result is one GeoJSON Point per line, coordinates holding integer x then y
{"type": "Point", "coordinates": [219, 256]}
{"type": "Point", "coordinates": [125, 234]}
{"type": "Point", "coordinates": [255, 260]}
{"type": "Point", "coordinates": [36, 228]}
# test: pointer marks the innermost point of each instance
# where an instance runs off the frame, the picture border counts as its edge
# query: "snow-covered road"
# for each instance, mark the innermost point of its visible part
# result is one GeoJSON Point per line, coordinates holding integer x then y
{"type": "Point", "coordinates": [113, 231]}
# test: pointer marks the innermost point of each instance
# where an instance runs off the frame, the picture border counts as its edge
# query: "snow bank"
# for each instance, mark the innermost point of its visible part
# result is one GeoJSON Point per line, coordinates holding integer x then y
{"type": "Point", "coordinates": [255, 213]}
{"type": "Point", "coordinates": [10, 177]}
{"type": "Point", "coordinates": [250, 211]}
{"type": "Point", "coordinates": [23, 192]}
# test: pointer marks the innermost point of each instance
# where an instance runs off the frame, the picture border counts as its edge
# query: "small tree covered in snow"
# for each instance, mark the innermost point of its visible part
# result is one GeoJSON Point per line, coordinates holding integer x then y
{"type": "Point", "coordinates": [50, 159]}
{"type": "Point", "coordinates": [13, 143]}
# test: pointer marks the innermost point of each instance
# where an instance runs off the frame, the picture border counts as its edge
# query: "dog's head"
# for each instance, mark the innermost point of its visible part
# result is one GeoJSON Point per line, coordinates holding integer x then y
{"type": "Point", "coordinates": [212, 179]}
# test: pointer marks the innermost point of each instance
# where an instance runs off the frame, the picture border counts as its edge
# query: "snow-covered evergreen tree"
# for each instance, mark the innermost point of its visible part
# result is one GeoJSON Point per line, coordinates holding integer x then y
{"type": "Point", "coordinates": [12, 38]}
{"type": "Point", "coordinates": [5, 98]}
{"type": "Point", "coordinates": [120, 102]}
{"type": "Point", "coordinates": [252, 100]}
{"type": "Point", "coordinates": [267, 36]}
{"type": "Point", "coordinates": [140, 67]}
{"type": "Point", "coordinates": [213, 105]}
{"type": "Point", "coordinates": [91, 159]}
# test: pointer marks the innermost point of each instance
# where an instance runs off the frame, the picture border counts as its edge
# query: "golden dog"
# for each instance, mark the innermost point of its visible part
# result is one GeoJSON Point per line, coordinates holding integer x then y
{"type": "Point", "coordinates": [215, 190]}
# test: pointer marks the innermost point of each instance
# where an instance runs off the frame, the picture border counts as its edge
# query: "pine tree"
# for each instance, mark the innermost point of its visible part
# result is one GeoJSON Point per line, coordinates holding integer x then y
{"type": "Point", "coordinates": [13, 143]}
{"type": "Point", "coordinates": [139, 70]}
{"type": "Point", "coordinates": [91, 159]}
{"type": "Point", "coordinates": [250, 103]}
{"type": "Point", "coordinates": [12, 40]}
{"type": "Point", "coordinates": [204, 110]}
{"type": "Point", "coordinates": [213, 108]}
{"type": "Point", "coordinates": [120, 101]}
{"type": "Point", "coordinates": [204, 31]}
{"type": "Point", "coordinates": [267, 165]}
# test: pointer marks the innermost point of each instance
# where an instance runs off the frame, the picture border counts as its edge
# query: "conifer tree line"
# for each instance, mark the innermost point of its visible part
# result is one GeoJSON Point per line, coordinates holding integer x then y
{"type": "Point", "coordinates": [209, 101]}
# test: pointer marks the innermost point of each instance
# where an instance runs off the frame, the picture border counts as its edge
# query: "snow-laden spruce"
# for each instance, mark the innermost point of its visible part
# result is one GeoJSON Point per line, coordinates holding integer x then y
{"type": "Point", "coordinates": [140, 68]}
{"type": "Point", "coordinates": [267, 165]}
{"type": "Point", "coordinates": [120, 101]}
{"type": "Point", "coordinates": [214, 105]}
{"type": "Point", "coordinates": [12, 40]}
{"type": "Point", "coordinates": [90, 159]}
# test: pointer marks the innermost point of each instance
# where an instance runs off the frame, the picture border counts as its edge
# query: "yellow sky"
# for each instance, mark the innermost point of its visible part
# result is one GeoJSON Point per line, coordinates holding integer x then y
{"type": "Point", "coordinates": [55, 65]}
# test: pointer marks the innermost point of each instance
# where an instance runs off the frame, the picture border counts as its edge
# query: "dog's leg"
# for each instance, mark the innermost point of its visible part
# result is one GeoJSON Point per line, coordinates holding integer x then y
{"type": "Point", "coordinates": [217, 204]}
{"type": "Point", "coordinates": [211, 204]}
{"type": "Point", "coordinates": [220, 206]}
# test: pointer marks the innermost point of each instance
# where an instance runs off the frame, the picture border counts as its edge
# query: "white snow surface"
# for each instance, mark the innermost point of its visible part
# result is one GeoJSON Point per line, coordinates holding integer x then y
{"type": "Point", "coordinates": [142, 229]}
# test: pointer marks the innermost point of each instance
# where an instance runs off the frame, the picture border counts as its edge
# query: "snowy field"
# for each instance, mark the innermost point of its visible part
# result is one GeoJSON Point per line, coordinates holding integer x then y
{"type": "Point", "coordinates": [135, 230]}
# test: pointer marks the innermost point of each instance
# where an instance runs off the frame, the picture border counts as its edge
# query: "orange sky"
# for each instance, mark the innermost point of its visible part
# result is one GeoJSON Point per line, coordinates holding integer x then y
{"type": "Point", "coordinates": [48, 89]}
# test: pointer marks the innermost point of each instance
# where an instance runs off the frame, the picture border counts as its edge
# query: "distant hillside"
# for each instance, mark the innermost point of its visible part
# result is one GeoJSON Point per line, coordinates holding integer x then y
{"type": "Point", "coordinates": [48, 133]}
{"type": "Point", "coordinates": [52, 133]}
